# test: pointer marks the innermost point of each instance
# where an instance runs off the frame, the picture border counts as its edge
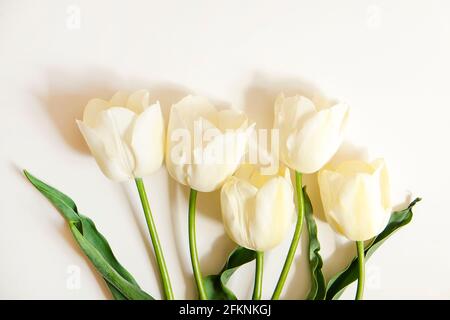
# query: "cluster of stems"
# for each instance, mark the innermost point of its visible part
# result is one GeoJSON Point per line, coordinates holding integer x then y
{"type": "Point", "coordinates": [257, 290]}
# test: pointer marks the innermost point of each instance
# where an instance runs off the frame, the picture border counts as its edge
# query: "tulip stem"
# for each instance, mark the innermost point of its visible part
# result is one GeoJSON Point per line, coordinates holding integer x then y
{"type": "Point", "coordinates": [164, 274]}
{"type": "Point", "coordinates": [193, 247]}
{"type": "Point", "coordinates": [257, 289]}
{"type": "Point", "coordinates": [295, 238]}
{"type": "Point", "coordinates": [361, 270]}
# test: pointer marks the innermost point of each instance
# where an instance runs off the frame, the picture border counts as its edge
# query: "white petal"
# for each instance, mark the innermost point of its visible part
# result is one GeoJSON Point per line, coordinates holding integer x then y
{"type": "Point", "coordinates": [292, 112]}
{"type": "Point", "coordinates": [385, 188]}
{"type": "Point", "coordinates": [92, 110]}
{"type": "Point", "coordinates": [254, 174]}
{"type": "Point", "coordinates": [354, 202]}
{"type": "Point", "coordinates": [237, 200]}
{"type": "Point", "coordinates": [317, 141]}
{"type": "Point", "coordinates": [184, 113]}
{"type": "Point", "coordinates": [218, 155]}
{"type": "Point", "coordinates": [119, 99]}
{"type": "Point", "coordinates": [110, 166]}
{"type": "Point", "coordinates": [148, 141]}
{"type": "Point", "coordinates": [220, 159]}
{"type": "Point", "coordinates": [115, 130]}
{"type": "Point", "coordinates": [274, 210]}
{"type": "Point", "coordinates": [232, 119]}
{"type": "Point", "coordinates": [138, 101]}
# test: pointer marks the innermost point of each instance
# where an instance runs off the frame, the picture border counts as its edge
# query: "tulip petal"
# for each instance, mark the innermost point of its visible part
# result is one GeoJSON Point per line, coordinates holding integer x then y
{"type": "Point", "coordinates": [138, 101]}
{"type": "Point", "coordinates": [253, 174]}
{"type": "Point", "coordinates": [237, 200]}
{"type": "Point", "coordinates": [385, 187]}
{"type": "Point", "coordinates": [206, 152]}
{"type": "Point", "coordinates": [292, 112]}
{"type": "Point", "coordinates": [257, 218]}
{"type": "Point", "coordinates": [184, 113]}
{"type": "Point", "coordinates": [354, 199]}
{"type": "Point", "coordinates": [232, 119]}
{"type": "Point", "coordinates": [311, 147]}
{"type": "Point", "coordinates": [111, 167]}
{"type": "Point", "coordinates": [217, 160]}
{"type": "Point", "coordinates": [92, 111]}
{"type": "Point", "coordinates": [119, 99]}
{"type": "Point", "coordinates": [274, 212]}
{"type": "Point", "coordinates": [148, 141]}
{"type": "Point", "coordinates": [115, 130]}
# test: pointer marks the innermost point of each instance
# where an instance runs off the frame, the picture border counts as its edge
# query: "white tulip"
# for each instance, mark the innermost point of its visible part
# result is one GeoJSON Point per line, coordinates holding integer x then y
{"type": "Point", "coordinates": [257, 209]}
{"type": "Point", "coordinates": [308, 137]}
{"type": "Point", "coordinates": [125, 135]}
{"type": "Point", "coordinates": [204, 146]}
{"type": "Point", "coordinates": [356, 198]}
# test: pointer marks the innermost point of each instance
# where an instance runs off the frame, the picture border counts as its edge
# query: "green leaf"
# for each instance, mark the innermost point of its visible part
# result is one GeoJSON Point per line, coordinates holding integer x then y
{"type": "Point", "coordinates": [339, 282]}
{"type": "Point", "coordinates": [318, 286]}
{"type": "Point", "coordinates": [215, 285]}
{"type": "Point", "coordinates": [120, 282]}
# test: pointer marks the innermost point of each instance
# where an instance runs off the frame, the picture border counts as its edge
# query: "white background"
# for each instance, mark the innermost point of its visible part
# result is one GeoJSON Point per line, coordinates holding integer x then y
{"type": "Point", "coordinates": [389, 60]}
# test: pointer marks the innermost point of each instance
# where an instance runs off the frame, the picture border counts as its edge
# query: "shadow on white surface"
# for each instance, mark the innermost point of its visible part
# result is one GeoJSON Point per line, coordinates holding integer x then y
{"type": "Point", "coordinates": [343, 253]}
{"type": "Point", "coordinates": [65, 101]}
{"type": "Point", "coordinates": [137, 215]}
{"type": "Point", "coordinates": [263, 90]}
{"type": "Point", "coordinates": [298, 284]}
{"type": "Point", "coordinates": [213, 261]}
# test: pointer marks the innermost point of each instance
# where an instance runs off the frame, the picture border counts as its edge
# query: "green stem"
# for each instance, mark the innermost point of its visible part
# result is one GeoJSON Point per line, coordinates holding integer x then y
{"type": "Point", "coordinates": [164, 274]}
{"type": "Point", "coordinates": [257, 289]}
{"type": "Point", "coordinates": [361, 270]}
{"type": "Point", "coordinates": [295, 238]}
{"type": "Point", "coordinates": [193, 247]}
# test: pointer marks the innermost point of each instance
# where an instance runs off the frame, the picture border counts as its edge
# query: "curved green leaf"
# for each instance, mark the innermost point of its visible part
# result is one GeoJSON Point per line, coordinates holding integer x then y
{"type": "Point", "coordinates": [120, 282]}
{"type": "Point", "coordinates": [318, 286]}
{"type": "Point", "coordinates": [215, 284]}
{"type": "Point", "coordinates": [111, 275]}
{"type": "Point", "coordinates": [340, 281]}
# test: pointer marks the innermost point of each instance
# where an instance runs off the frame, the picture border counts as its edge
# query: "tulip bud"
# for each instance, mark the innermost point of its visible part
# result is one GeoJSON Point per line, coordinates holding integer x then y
{"type": "Point", "coordinates": [308, 137]}
{"type": "Point", "coordinates": [356, 198]}
{"type": "Point", "coordinates": [204, 146]}
{"type": "Point", "coordinates": [257, 210]}
{"type": "Point", "coordinates": [125, 135]}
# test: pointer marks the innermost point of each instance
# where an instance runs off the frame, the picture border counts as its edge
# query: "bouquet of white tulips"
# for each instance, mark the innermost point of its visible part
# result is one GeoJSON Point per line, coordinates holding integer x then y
{"type": "Point", "coordinates": [207, 149]}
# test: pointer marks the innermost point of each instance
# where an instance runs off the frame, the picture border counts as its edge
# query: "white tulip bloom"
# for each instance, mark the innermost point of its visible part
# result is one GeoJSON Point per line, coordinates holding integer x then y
{"type": "Point", "coordinates": [308, 137]}
{"type": "Point", "coordinates": [204, 146]}
{"type": "Point", "coordinates": [257, 209]}
{"type": "Point", "coordinates": [125, 135]}
{"type": "Point", "coordinates": [356, 198]}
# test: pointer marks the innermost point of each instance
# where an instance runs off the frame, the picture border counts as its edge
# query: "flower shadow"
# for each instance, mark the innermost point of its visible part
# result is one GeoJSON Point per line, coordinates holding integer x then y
{"type": "Point", "coordinates": [264, 89]}
{"type": "Point", "coordinates": [65, 102]}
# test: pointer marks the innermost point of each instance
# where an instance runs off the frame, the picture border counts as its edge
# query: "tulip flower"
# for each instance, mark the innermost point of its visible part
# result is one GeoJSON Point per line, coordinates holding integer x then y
{"type": "Point", "coordinates": [257, 211]}
{"type": "Point", "coordinates": [356, 202]}
{"type": "Point", "coordinates": [204, 147]}
{"type": "Point", "coordinates": [308, 139]}
{"type": "Point", "coordinates": [126, 137]}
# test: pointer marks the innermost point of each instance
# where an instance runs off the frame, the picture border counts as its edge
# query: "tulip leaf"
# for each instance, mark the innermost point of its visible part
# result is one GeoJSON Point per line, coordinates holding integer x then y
{"type": "Point", "coordinates": [318, 286]}
{"type": "Point", "coordinates": [120, 282]}
{"type": "Point", "coordinates": [216, 284]}
{"type": "Point", "coordinates": [340, 281]}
